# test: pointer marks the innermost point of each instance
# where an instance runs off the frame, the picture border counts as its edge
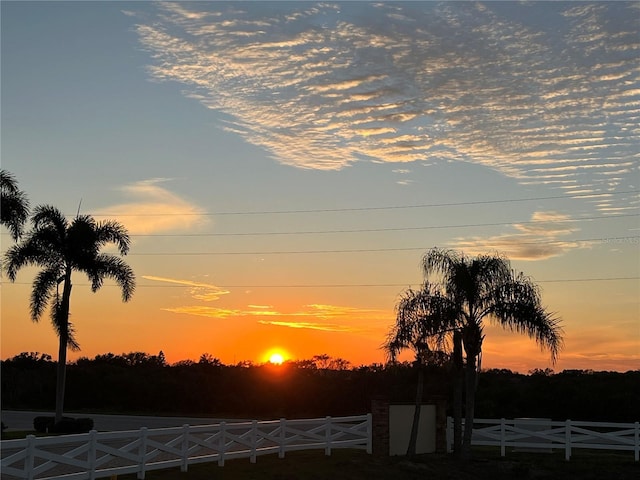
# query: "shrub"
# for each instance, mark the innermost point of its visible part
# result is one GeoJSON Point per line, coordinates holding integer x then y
{"type": "Point", "coordinates": [43, 424]}
{"type": "Point", "coordinates": [73, 425]}
{"type": "Point", "coordinates": [66, 425]}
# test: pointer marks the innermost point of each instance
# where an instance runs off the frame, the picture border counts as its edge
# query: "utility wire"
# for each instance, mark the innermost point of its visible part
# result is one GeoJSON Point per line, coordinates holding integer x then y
{"type": "Point", "coordinates": [630, 239]}
{"type": "Point", "coordinates": [373, 230]}
{"type": "Point", "coordinates": [362, 209]}
{"type": "Point", "coordinates": [349, 285]}
{"type": "Point", "coordinates": [383, 229]}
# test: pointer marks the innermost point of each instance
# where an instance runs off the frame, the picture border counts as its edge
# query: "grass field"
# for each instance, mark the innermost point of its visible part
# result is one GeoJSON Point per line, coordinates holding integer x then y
{"type": "Point", "coordinates": [356, 465]}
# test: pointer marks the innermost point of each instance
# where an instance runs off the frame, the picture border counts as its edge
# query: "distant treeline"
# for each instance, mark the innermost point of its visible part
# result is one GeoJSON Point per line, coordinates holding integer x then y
{"type": "Point", "coordinates": [141, 383]}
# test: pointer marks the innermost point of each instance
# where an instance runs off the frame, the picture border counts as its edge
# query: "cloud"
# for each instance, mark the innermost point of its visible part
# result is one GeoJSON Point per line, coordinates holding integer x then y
{"type": "Point", "coordinates": [548, 94]}
{"type": "Point", "coordinates": [538, 239]}
{"type": "Point", "coordinates": [325, 327]}
{"type": "Point", "coordinates": [199, 291]}
{"type": "Point", "coordinates": [154, 209]}
{"type": "Point", "coordinates": [333, 311]}
{"type": "Point", "coordinates": [320, 312]}
{"type": "Point", "coordinates": [204, 311]}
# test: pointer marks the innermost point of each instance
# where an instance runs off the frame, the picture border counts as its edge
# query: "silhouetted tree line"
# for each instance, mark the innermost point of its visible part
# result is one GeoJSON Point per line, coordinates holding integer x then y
{"type": "Point", "coordinates": [571, 394]}
{"type": "Point", "coordinates": [146, 384]}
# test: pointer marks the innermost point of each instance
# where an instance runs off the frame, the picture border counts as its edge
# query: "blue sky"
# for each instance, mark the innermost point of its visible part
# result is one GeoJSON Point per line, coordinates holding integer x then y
{"type": "Point", "coordinates": [257, 149]}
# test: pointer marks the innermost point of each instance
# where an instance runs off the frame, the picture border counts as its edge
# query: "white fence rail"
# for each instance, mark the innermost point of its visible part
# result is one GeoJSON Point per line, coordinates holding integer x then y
{"type": "Point", "coordinates": [539, 434]}
{"type": "Point", "coordinates": [104, 454]}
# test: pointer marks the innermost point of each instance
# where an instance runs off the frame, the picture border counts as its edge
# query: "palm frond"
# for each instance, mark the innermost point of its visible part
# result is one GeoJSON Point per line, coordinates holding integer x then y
{"type": "Point", "coordinates": [486, 286]}
{"type": "Point", "coordinates": [30, 251]}
{"type": "Point", "coordinates": [517, 306]}
{"type": "Point", "coordinates": [8, 183]}
{"type": "Point", "coordinates": [440, 261]}
{"type": "Point", "coordinates": [425, 319]}
{"type": "Point", "coordinates": [14, 211]}
{"type": "Point", "coordinates": [43, 287]}
{"type": "Point", "coordinates": [64, 328]}
{"type": "Point", "coordinates": [49, 217]}
{"type": "Point", "coordinates": [110, 266]}
{"type": "Point", "coordinates": [111, 231]}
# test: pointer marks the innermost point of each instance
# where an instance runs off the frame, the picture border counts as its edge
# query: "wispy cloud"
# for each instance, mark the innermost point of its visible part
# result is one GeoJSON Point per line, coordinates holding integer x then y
{"type": "Point", "coordinates": [204, 311]}
{"type": "Point", "coordinates": [199, 290]}
{"type": "Point", "coordinates": [330, 318]}
{"type": "Point", "coordinates": [154, 208]}
{"type": "Point", "coordinates": [539, 239]}
{"type": "Point", "coordinates": [543, 93]}
{"type": "Point", "coordinates": [325, 327]}
{"type": "Point", "coordinates": [334, 311]}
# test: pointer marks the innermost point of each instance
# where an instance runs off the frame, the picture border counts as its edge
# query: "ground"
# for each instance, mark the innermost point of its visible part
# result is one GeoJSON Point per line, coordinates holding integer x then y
{"type": "Point", "coordinates": [357, 465]}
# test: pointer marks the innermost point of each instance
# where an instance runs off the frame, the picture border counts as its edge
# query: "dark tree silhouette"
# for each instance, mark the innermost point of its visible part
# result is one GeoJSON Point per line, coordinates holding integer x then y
{"type": "Point", "coordinates": [479, 289]}
{"type": "Point", "coordinates": [59, 248]}
{"type": "Point", "coordinates": [424, 321]}
{"type": "Point", "coordinates": [14, 207]}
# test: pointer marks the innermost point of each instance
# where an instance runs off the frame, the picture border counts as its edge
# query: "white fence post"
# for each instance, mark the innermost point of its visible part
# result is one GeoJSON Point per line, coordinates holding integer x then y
{"type": "Point", "coordinates": [637, 442]}
{"type": "Point", "coordinates": [503, 438]}
{"type": "Point", "coordinates": [370, 433]}
{"type": "Point", "coordinates": [254, 441]}
{"type": "Point", "coordinates": [184, 466]}
{"type": "Point", "coordinates": [30, 460]}
{"type": "Point", "coordinates": [91, 454]}
{"type": "Point", "coordinates": [283, 424]}
{"type": "Point", "coordinates": [142, 453]}
{"type": "Point", "coordinates": [567, 440]}
{"type": "Point", "coordinates": [222, 443]}
{"type": "Point", "coordinates": [327, 436]}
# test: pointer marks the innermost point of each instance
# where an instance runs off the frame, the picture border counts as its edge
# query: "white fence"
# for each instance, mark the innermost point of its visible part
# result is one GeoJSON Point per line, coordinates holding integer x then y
{"type": "Point", "coordinates": [532, 434]}
{"type": "Point", "coordinates": [104, 454]}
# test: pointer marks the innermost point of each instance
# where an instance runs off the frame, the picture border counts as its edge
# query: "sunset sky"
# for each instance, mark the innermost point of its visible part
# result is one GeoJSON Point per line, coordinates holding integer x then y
{"type": "Point", "coordinates": [283, 166]}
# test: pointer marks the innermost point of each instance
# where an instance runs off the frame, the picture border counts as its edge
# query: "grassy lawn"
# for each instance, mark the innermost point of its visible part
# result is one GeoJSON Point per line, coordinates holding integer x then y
{"type": "Point", "coordinates": [356, 465]}
{"type": "Point", "coordinates": [18, 434]}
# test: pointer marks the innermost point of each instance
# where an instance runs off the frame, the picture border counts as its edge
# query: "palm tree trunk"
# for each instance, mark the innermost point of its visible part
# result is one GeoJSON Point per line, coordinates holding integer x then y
{"type": "Point", "coordinates": [413, 440]}
{"type": "Point", "coordinates": [62, 320]}
{"type": "Point", "coordinates": [458, 372]}
{"type": "Point", "coordinates": [470, 394]}
{"type": "Point", "coordinates": [61, 375]}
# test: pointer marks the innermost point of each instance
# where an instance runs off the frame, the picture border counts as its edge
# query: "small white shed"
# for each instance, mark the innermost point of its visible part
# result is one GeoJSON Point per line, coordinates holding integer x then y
{"type": "Point", "coordinates": [400, 421]}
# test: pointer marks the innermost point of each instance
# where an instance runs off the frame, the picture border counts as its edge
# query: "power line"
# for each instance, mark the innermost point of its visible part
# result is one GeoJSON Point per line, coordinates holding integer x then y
{"type": "Point", "coordinates": [389, 229]}
{"type": "Point", "coordinates": [392, 249]}
{"type": "Point", "coordinates": [384, 229]}
{"type": "Point", "coordinates": [350, 285]}
{"type": "Point", "coordinates": [384, 285]}
{"type": "Point", "coordinates": [363, 209]}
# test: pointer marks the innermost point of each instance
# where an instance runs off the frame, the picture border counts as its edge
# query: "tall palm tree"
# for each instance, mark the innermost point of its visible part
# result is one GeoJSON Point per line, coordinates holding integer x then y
{"type": "Point", "coordinates": [14, 205]}
{"type": "Point", "coordinates": [424, 322]}
{"type": "Point", "coordinates": [61, 247]}
{"type": "Point", "coordinates": [485, 288]}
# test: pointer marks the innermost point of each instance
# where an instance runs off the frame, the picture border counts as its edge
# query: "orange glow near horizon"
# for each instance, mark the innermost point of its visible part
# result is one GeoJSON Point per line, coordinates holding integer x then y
{"type": "Point", "coordinates": [297, 326]}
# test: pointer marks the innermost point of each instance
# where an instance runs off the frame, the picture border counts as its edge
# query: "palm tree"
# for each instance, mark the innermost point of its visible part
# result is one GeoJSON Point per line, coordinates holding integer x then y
{"type": "Point", "coordinates": [14, 207]}
{"type": "Point", "coordinates": [61, 247]}
{"type": "Point", "coordinates": [424, 321]}
{"type": "Point", "coordinates": [485, 288]}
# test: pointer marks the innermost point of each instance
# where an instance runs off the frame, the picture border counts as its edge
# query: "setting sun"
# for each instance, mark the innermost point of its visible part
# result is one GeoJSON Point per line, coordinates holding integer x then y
{"type": "Point", "coordinates": [276, 358]}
